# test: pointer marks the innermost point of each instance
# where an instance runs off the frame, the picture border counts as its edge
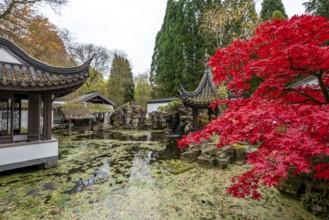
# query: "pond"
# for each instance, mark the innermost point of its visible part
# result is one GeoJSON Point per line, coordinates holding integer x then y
{"type": "Point", "coordinates": [132, 175]}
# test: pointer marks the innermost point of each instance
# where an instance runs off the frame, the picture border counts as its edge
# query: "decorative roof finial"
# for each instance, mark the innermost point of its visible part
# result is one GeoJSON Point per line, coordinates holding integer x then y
{"type": "Point", "coordinates": [206, 58]}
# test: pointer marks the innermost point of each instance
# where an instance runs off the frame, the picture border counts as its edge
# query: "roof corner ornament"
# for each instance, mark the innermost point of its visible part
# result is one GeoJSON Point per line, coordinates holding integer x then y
{"type": "Point", "coordinates": [206, 58]}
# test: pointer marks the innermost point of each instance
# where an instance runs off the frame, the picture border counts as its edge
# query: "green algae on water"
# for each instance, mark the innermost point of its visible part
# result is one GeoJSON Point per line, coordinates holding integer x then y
{"type": "Point", "coordinates": [121, 178]}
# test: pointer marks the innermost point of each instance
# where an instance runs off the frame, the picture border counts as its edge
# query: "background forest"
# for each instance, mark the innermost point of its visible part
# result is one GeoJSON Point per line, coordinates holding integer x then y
{"type": "Point", "coordinates": [191, 31]}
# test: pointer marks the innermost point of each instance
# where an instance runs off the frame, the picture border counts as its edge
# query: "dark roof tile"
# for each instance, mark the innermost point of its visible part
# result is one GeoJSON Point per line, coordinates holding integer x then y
{"type": "Point", "coordinates": [33, 75]}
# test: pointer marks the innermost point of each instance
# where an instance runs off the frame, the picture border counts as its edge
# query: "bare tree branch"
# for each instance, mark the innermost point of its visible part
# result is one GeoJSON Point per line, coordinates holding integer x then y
{"type": "Point", "coordinates": [8, 6]}
{"type": "Point", "coordinates": [82, 52]}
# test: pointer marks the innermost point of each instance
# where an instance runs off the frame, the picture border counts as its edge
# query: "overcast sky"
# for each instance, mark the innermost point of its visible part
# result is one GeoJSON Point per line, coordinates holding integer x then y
{"type": "Point", "coordinates": [128, 25]}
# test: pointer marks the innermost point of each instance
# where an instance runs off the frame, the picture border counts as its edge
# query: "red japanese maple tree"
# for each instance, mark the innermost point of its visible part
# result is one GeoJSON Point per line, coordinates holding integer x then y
{"type": "Point", "coordinates": [289, 124]}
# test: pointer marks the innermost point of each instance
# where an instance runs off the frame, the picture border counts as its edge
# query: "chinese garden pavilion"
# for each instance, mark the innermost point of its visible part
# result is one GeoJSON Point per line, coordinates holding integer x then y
{"type": "Point", "coordinates": [92, 106]}
{"type": "Point", "coordinates": [100, 106]}
{"type": "Point", "coordinates": [23, 78]}
{"type": "Point", "coordinates": [201, 98]}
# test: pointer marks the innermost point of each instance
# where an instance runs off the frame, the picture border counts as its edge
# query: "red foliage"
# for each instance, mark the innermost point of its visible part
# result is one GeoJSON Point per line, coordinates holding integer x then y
{"type": "Point", "coordinates": [290, 125]}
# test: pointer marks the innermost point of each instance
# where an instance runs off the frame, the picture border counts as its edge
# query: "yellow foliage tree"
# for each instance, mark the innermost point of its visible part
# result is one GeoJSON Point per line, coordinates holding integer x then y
{"type": "Point", "coordinates": [229, 20]}
{"type": "Point", "coordinates": [36, 35]}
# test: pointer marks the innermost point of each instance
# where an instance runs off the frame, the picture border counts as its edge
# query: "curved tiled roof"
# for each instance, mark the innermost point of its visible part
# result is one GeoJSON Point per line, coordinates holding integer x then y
{"type": "Point", "coordinates": [34, 75]}
{"type": "Point", "coordinates": [29, 76]}
{"type": "Point", "coordinates": [204, 94]}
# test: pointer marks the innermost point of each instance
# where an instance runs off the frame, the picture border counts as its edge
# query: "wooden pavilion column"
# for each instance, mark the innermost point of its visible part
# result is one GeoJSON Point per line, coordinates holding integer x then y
{"type": "Point", "coordinates": [19, 102]}
{"type": "Point", "coordinates": [33, 126]}
{"type": "Point", "coordinates": [47, 116]}
{"type": "Point", "coordinates": [217, 112]}
{"type": "Point", "coordinates": [195, 117]}
{"type": "Point", "coordinates": [209, 114]}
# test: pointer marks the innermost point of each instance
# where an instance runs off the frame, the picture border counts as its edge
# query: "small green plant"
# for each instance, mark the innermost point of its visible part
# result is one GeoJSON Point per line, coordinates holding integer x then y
{"type": "Point", "coordinates": [317, 203]}
{"type": "Point", "coordinates": [239, 146]}
{"type": "Point", "coordinates": [222, 93]}
{"type": "Point", "coordinates": [172, 106]}
{"type": "Point", "coordinates": [215, 138]}
{"type": "Point", "coordinates": [161, 108]}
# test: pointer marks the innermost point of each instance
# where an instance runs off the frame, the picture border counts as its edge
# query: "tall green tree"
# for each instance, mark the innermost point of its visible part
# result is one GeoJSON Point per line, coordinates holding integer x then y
{"type": "Point", "coordinates": [178, 57]}
{"type": "Point", "coordinates": [161, 71]}
{"type": "Point", "coordinates": [317, 7]}
{"type": "Point", "coordinates": [269, 6]}
{"type": "Point", "coordinates": [120, 82]}
{"type": "Point", "coordinates": [278, 15]}
{"type": "Point", "coordinates": [142, 89]}
{"type": "Point", "coordinates": [95, 83]}
{"type": "Point", "coordinates": [230, 20]}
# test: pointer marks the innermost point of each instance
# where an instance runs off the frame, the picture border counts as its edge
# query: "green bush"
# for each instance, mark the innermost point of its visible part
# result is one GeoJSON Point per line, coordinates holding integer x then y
{"type": "Point", "coordinates": [317, 203]}
{"type": "Point", "coordinates": [172, 106]}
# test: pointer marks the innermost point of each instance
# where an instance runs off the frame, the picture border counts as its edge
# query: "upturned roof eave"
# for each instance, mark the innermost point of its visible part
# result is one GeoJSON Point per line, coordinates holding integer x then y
{"type": "Point", "coordinates": [31, 61]}
{"type": "Point", "coordinates": [206, 79]}
{"type": "Point", "coordinates": [32, 75]}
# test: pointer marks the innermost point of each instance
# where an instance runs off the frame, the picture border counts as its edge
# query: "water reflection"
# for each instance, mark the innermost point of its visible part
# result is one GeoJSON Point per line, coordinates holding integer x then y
{"type": "Point", "coordinates": [83, 144]}
{"type": "Point", "coordinates": [141, 196]}
{"type": "Point", "coordinates": [148, 136]}
{"type": "Point", "coordinates": [100, 175]}
{"type": "Point", "coordinates": [128, 163]}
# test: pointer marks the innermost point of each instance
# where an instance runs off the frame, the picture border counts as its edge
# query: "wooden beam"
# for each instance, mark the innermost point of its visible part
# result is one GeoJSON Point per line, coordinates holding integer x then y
{"type": "Point", "coordinates": [195, 118]}
{"type": "Point", "coordinates": [34, 103]}
{"type": "Point", "coordinates": [47, 116]}
{"type": "Point", "coordinates": [217, 112]}
{"type": "Point", "coordinates": [209, 114]}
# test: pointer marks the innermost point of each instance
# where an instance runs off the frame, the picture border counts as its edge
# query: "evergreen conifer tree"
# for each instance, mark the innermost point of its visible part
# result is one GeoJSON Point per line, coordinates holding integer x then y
{"type": "Point", "coordinates": [142, 90]}
{"type": "Point", "coordinates": [269, 6]}
{"type": "Point", "coordinates": [178, 57]}
{"type": "Point", "coordinates": [317, 7]}
{"type": "Point", "coordinates": [278, 15]}
{"type": "Point", "coordinates": [120, 82]}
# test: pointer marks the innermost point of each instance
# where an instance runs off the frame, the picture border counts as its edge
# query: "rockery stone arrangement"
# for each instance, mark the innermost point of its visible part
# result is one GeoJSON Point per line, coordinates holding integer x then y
{"type": "Point", "coordinates": [208, 155]}
{"type": "Point", "coordinates": [128, 117]}
{"type": "Point", "coordinates": [134, 117]}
